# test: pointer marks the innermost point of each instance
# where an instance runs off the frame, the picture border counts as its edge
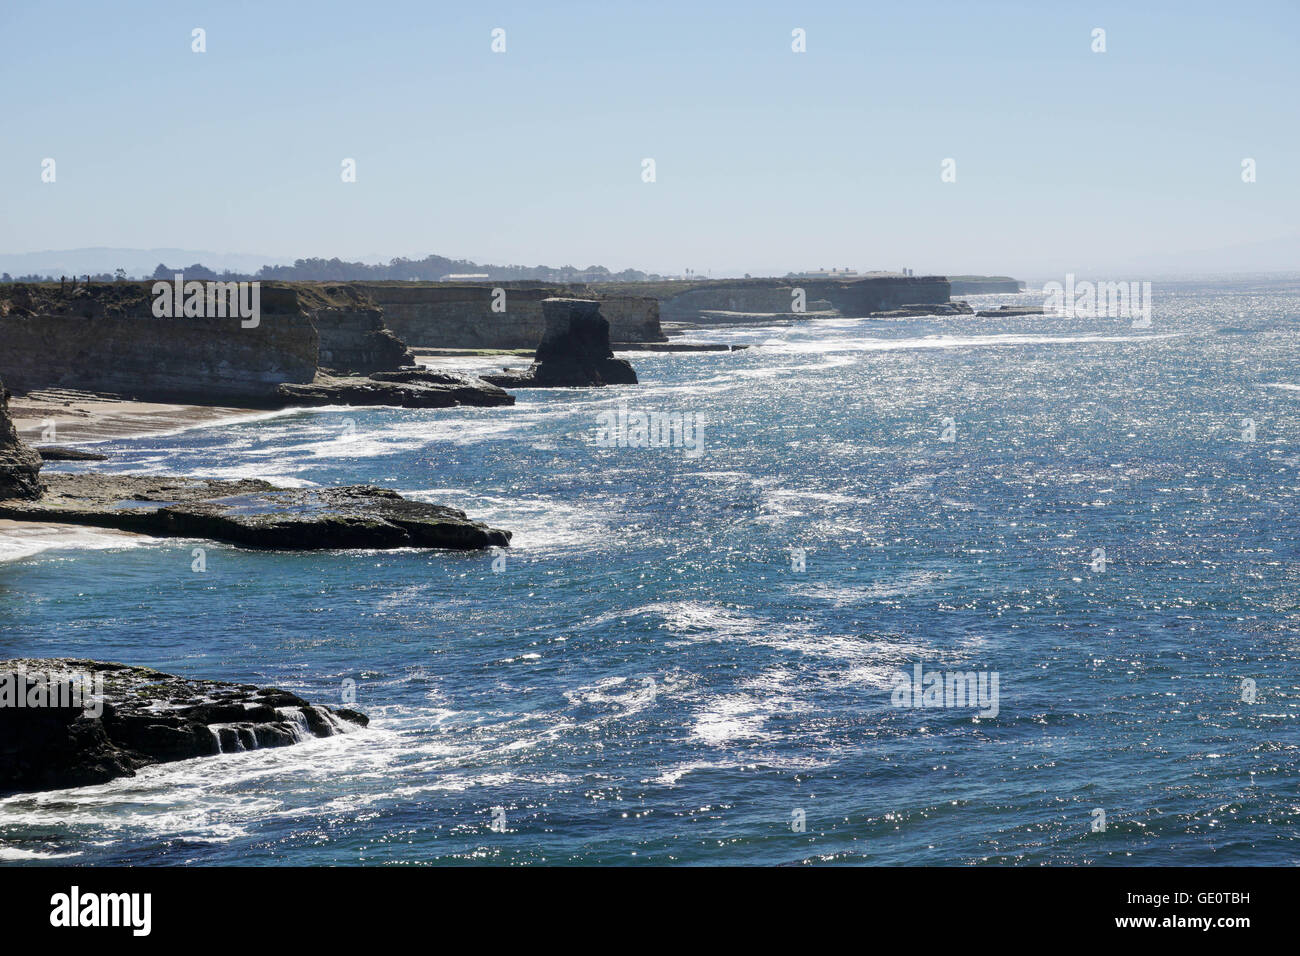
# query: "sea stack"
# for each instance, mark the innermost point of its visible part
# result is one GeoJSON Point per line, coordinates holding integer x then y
{"type": "Point", "coordinates": [19, 465]}
{"type": "Point", "coordinates": [574, 351]}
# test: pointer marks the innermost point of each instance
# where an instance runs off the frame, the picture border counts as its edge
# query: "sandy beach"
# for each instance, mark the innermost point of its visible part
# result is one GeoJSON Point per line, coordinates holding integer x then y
{"type": "Point", "coordinates": [62, 416]}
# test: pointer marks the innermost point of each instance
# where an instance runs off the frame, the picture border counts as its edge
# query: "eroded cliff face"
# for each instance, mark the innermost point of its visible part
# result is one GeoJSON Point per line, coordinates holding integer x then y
{"type": "Point", "coordinates": [983, 285]}
{"type": "Point", "coordinates": [357, 341]}
{"type": "Point", "coordinates": [684, 302]}
{"type": "Point", "coordinates": [20, 465]}
{"type": "Point", "coordinates": [110, 341]}
{"type": "Point", "coordinates": [437, 315]}
{"type": "Point", "coordinates": [632, 318]}
{"type": "Point", "coordinates": [442, 315]}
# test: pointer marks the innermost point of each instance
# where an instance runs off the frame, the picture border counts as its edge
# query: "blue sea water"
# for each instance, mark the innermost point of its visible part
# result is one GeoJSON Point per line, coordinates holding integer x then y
{"type": "Point", "coordinates": [650, 678]}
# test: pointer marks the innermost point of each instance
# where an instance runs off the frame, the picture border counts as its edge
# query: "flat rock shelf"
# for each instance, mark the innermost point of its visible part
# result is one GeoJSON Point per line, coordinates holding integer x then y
{"type": "Point", "coordinates": [254, 513]}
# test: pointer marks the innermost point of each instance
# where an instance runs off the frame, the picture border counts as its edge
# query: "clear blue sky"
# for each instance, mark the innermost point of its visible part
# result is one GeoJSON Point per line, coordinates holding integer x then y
{"type": "Point", "coordinates": [767, 160]}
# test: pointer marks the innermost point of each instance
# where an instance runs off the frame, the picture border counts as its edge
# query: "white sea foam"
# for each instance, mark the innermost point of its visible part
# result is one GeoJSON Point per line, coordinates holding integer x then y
{"type": "Point", "coordinates": [15, 854]}
{"type": "Point", "coordinates": [538, 523]}
{"type": "Point", "coordinates": [869, 344]}
{"type": "Point", "coordinates": [21, 539]}
{"type": "Point", "coordinates": [214, 799]}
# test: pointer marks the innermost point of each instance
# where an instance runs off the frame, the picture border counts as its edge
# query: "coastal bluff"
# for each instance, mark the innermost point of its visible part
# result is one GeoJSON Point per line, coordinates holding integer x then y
{"type": "Point", "coordinates": [505, 315]}
{"type": "Point", "coordinates": [121, 719]}
{"type": "Point", "coordinates": [105, 338]}
{"type": "Point", "coordinates": [693, 300]}
{"type": "Point", "coordinates": [20, 465]}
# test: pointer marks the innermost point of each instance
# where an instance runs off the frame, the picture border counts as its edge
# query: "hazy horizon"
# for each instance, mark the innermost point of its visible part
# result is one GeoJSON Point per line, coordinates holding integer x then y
{"type": "Point", "coordinates": [767, 160]}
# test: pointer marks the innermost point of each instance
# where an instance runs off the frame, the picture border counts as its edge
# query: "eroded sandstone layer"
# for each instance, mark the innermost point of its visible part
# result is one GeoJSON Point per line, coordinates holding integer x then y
{"type": "Point", "coordinates": [142, 717]}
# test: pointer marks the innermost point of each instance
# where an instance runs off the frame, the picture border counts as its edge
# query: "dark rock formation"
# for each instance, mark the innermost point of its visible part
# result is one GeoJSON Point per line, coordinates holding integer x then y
{"type": "Point", "coordinates": [59, 453]}
{"type": "Point", "coordinates": [914, 310]}
{"type": "Point", "coordinates": [574, 351]}
{"type": "Point", "coordinates": [143, 717]}
{"type": "Point", "coordinates": [20, 466]}
{"type": "Point", "coordinates": [409, 387]}
{"type": "Point", "coordinates": [1006, 310]}
{"type": "Point", "coordinates": [254, 513]}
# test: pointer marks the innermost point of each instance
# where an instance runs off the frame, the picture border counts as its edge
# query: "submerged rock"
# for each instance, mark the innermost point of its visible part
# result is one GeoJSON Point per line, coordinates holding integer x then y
{"type": "Point", "coordinates": [254, 513]}
{"type": "Point", "coordinates": [60, 453]}
{"type": "Point", "coordinates": [574, 351]}
{"type": "Point", "coordinates": [121, 718]}
{"type": "Point", "coordinates": [20, 465]}
{"type": "Point", "coordinates": [410, 387]}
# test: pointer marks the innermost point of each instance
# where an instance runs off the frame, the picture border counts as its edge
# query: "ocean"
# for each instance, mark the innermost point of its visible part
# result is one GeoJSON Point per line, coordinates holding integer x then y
{"type": "Point", "coordinates": [709, 655]}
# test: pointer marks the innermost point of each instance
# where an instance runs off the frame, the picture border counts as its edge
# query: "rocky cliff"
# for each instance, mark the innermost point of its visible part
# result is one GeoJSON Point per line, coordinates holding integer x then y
{"type": "Point", "coordinates": [19, 465]}
{"type": "Point", "coordinates": [574, 351]}
{"type": "Point", "coordinates": [632, 318]}
{"type": "Point", "coordinates": [983, 285]}
{"type": "Point", "coordinates": [106, 338]}
{"type": "Point", "coordinates": [687, 301]}
{"type": "Point", "coordinates": [353, 336]}
{"type": "Point", "coordinates": [442, 315]}
{"type": "Point", "coordinates": [438, 315]}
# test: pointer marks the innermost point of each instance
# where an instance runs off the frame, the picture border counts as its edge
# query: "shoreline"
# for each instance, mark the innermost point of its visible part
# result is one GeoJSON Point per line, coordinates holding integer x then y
{"type": "Point", "coordinates": [82, 417]}
{"type": "Point", "coordinates": [20, 540]}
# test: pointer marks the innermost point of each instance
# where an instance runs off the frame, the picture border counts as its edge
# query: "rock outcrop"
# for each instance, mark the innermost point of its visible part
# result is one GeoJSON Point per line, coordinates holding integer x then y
{"type": "Point", "coordinates": [20, 465]}
{"type": "Point", "coordinates": [408, 387]}
{"type": "Point", "coordinates": [505, 315]}
{"type": "Point", "coordinates": [355, 340]}
{"type": "Point", "coordinates": [1011, 311]}
{"type": "Point", "coordinates": [914, 310]}
{"type": "Point", "coordinates": [574, 351]}
{"type": "Point", "coordinates": [59, 453]}
{"type": "Point", "coordinates": [120, 719]}
{"type": "Point", "coordinates": [254, 513]}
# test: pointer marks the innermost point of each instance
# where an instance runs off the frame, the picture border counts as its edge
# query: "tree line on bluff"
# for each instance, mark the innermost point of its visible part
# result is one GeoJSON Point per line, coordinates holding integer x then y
{"type": "Point", "coordinates": [428, 269]}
